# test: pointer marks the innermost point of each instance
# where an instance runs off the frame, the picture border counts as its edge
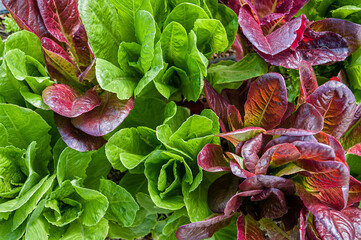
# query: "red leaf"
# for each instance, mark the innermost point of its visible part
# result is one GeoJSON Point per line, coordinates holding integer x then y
{"type": "Point", "coordinates": [261, 182]}
{"type": "Point", "coordinates": [248, 228]}
{"type": "Point", "coordinates": [333, 143]}
{"type": "Point", "coordinates": [315, 151]}
{"type": "Point", "coordinates": [353, 135]}
{"type": "Point", "coordinates": [59, 64]}
{"type": "Point", "coordinates": [348, 30]}
{"type": "Point", "coordinates": [67, 102]}
{"type": "Point", "coordinates": [272, 22]}
{"type": "Point", "coordinates": [237, 46]}
{"type": "Point", "coordinates": [326, 180]}
{"type": "Point", "coordinates": [290, 109]}
{"type": "Point", "coordinates": [106, 117]}
{"type": "Point", "coordinates": [289, 132]}
{"type": "Point", "coordinates": [75, 138]}
{"type": "Point", "coordinates": [239, 171]}
{"type": "Point", "coordinates": [221, 191]}
{"type": "Point", "coordinates": [250, 151]}
{"type": "Point", "coordinates": [234, 118]}
{"type": "Point", "coordinates": [283, 38]}
{"type": "Point", "coordinates": [296, 6]}
{"type": "Point", "coordinates": [337, 105]}
{"type": "Point", "coordinates": [277, 156]}
{"type": "Point", "coordinates": [27, 16]}
{"type": "Point", "coordinates": [306, 117]}
{"type": "Point", "coordinates": [203, 229]}
{"type": "Point", "coordinates": [241, 135]}
{"type": "Point", "coordinates": [217, 103]}
{"type": "Point", "coordinates": [266, 102]}
{"type": "Point", "coordinates": [308, 81]}
{"type": "Point", "coordinates": [61, 17]}
{"type": "Point", "coordinates": [235, 202]}
{"type": "Point", "coordinates": [329, 222]}
{"type": "Point", "coordinates": [355, 150]}
{"type": "Point", "coordinates": [315, 48]}
{"type": "Point", "coordinates": [354, 194]}
{"type": "Point", "coordinates": [303, 222]}
{"type": "Point", "coordinates": [334, 226]}
{"type": "Point", "coordinates": [288, 139]}
{"type": "Point", "coordinates": [273, 203]}
{"type": "Point", "coordinates": [211, 159]}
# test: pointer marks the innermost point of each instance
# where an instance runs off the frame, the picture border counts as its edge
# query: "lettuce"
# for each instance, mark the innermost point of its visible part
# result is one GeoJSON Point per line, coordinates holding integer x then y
{"type": "Point", "coordinates": [144, 46]}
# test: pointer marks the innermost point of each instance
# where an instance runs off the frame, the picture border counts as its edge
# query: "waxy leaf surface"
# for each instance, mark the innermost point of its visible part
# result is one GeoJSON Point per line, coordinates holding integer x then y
{"type": "Point", "coordinates": [203, 229]}
{"type": "Point", "coordinates": [266, 102]}
{"type": "Point", "coordinates": [337, 105]}
{"type": "Point", "coordinates": [106, 117]}
{"type": "Point", "coordinates": [75, 138]}
{"type": "Point", "coordinates": [67, 102]}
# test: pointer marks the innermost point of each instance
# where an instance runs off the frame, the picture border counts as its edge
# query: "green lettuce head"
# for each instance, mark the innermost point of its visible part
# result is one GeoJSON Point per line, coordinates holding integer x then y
{"type": "Point", "coordinates": [24, 175]}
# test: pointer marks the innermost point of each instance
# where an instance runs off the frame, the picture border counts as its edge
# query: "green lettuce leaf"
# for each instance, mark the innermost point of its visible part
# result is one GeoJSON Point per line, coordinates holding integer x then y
{"type": "Point", "coordinates": [122, 206]}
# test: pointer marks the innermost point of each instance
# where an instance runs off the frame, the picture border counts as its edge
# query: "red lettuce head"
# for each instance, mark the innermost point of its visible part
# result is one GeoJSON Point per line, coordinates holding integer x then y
{"type": "Point", "coordinates": [283, 41]}
{"type": "Point", "coordinates": [285, 165]}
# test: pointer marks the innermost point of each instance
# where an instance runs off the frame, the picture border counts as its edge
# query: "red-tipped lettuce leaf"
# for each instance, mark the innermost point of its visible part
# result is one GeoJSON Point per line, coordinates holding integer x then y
{"type": "Point", "coordinates": [221, 191]}
{"type": "Point", "coordinates": [356, 150]}
{"type": "Point", "coordinates": [289, 132]}
{"type": "Point", "coordinates": [304, 214]}
{"type": "Point", "coordinates": [354, 194]}
{"type": "Point", "coordinates": [334, 222]}
{"type": "Point", "coordinates": [334, 144]}
{"type": "Point", "coordinates": [296, 6]}
{"type": "Point", "coordinates": [234, 118]}
{"type": "Point", "coordinates": [326, 180]}
{"type": "Point", "coordinates": [235, 202]}
{"type": "Point", "coordinates": [292, 218]}
{"type": "Point", "coordinates": [62, 20]}
{"type": "Point", "coordinates": [203, 229]}
{"type": "Point", "coordinates": [266, 102]}
{"type": "Point", "coordinates": [290, 109]}
{"type": "Point", "coordinates": [288, 139]}
{"type": "Point", "coordinates": [350, 31]}
{"type": "Point", "coordinates": [67, 102]}
{"type": "Point", "coordinates": [315, 151]}
{"type": "Point", "coordinates": [238, 171]}
{"type": "Point", "coordinates": [227, 113]}
{"type": "Point", "coordinates": [283, 38]}
{"type": "Point", "coordinates": [271, 22]}
{"type": "Point", "coordinates": [58, 63]}
{"type": "Point", "coordinates": [353, 135]}
{"type": "Point", "coordinates": [248, 229]}
{"type": "Point", "coordinates": [307, 117]}
{"type": "Point", "coordinates": [337, 105]}
{"type": "Point", "coordinates": [27, 16]}
{"type": "Point", "coordinates": [315, 47]}
{"type": "Point", "coordinates": [211, 159]}
{"type": "Point", "coordinates": [273, 203]}
{"type": "Point", "coordinates": [356, 117]}
{"type": "Point", "coordinates": [266, 7]}
{"type": "Point", "coordinates": [75, 138]}
{"type": "Point", "coordinates": [258, 182]}
{"type": "Point", "coordinates": [241, 135]}
{"type": "Point", "coordinates": [308, 81]}
{"type": "Point", "coordinates": [277, 156]}
{"type": "Point", "coordinates": [106, 117]}
{"type": "Point", "coordinates": [250, 151]}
